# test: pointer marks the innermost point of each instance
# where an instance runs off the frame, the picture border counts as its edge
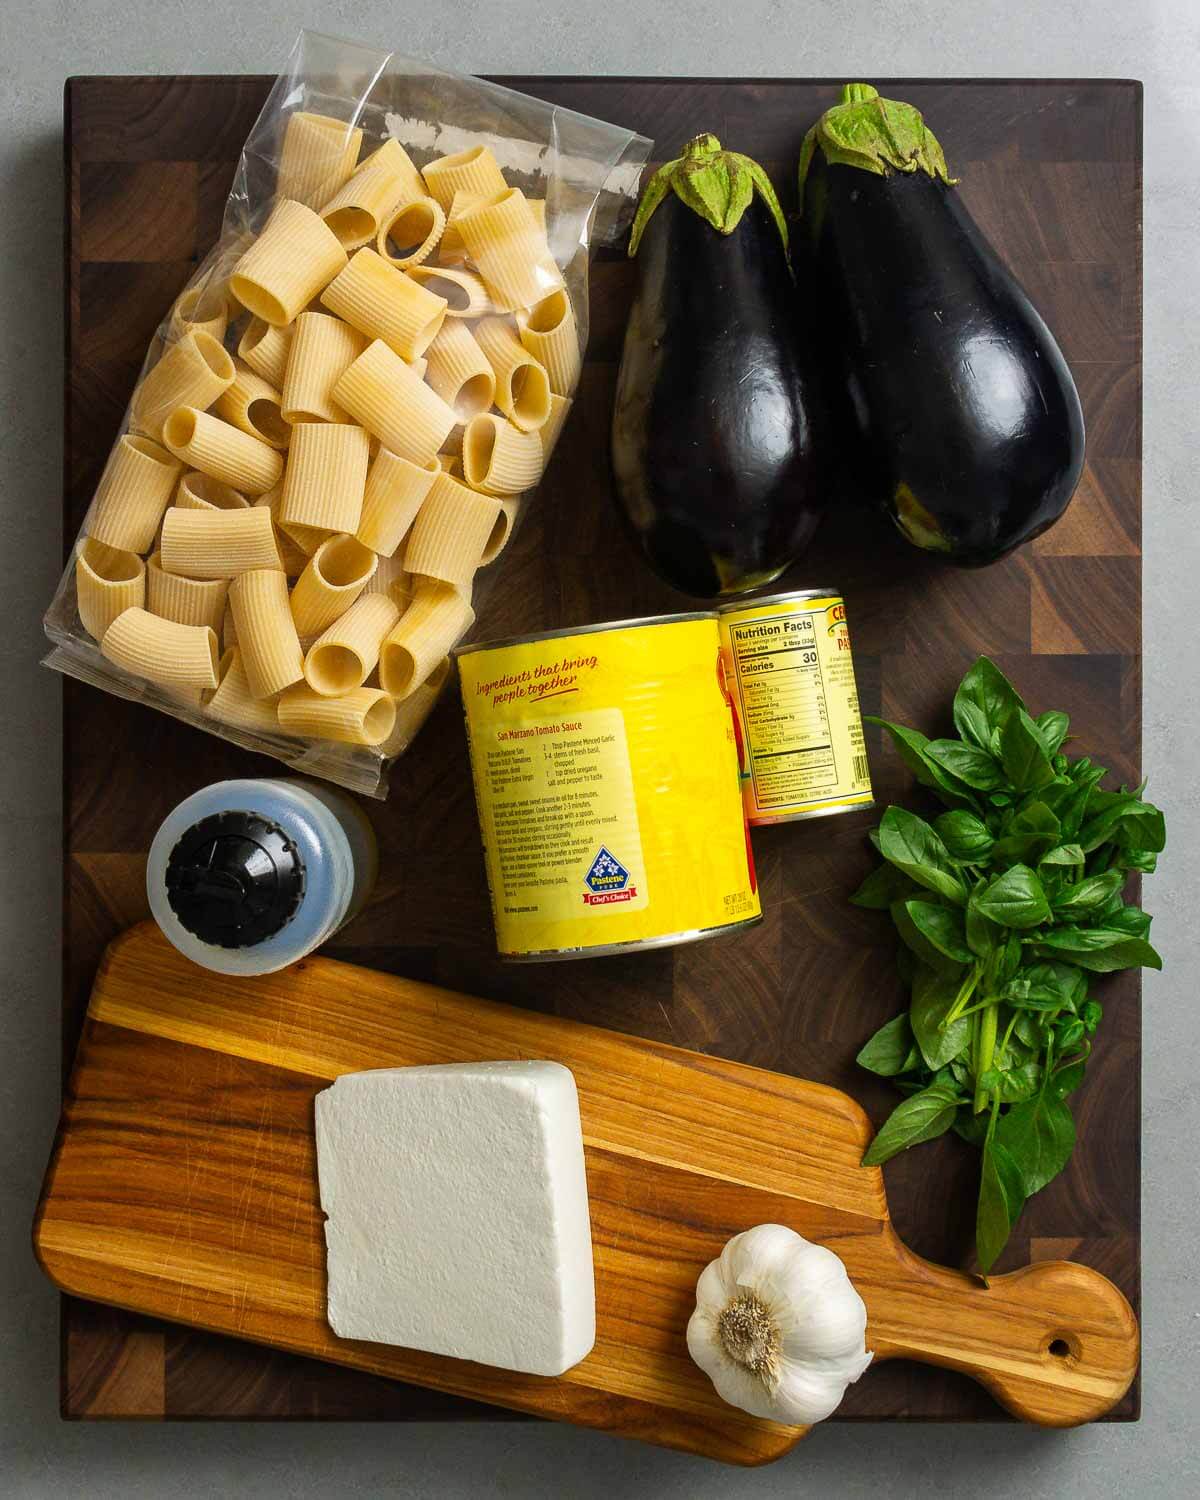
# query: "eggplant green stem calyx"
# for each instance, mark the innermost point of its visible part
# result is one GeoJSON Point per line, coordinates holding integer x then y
{"type": "Point", "coordinates": [719, 185]}
{"type": "Point", "coordinates": [878, 135]}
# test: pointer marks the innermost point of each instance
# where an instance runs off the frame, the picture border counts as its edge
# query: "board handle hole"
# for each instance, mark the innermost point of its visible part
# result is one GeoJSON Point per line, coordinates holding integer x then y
{"type": "Point", "coordinates": [1063, 1347]}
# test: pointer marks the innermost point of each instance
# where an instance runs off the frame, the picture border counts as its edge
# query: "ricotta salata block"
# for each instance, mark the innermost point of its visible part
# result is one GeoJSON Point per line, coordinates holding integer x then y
{"type": "Point", "coordinates": [457, 1212]}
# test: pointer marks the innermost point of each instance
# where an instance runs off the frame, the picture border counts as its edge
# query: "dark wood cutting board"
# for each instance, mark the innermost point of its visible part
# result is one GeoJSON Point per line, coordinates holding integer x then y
{"type": "Point", "coordinates": [1052, 171]}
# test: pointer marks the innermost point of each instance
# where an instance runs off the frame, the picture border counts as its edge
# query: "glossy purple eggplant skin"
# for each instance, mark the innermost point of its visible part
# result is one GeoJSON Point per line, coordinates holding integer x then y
{"type": "Point", "coordinates": [712, 431]}
{"type": "Point", "coordinates": [950, 387]}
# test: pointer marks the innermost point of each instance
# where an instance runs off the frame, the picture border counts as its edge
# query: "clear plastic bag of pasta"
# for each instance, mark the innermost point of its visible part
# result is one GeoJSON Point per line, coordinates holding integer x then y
{"type": "Point", "coordinates": [342, 418]}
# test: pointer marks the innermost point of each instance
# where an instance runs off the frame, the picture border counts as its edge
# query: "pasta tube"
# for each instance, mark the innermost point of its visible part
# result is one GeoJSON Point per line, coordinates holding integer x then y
{"type": "Point", "coordinates": [451, 250]}
{"type": "Point", "coordinates": [410, 233]}
{"type": "Point", "coordinates": [192, 372]}
{"type": "Point", "coordinates": [176, 656]}
{"type": "Point", "coordinates": [317, 157]}
{"type": "Point", "coordinates": [291, 554]}
{"type": "Point", "coordinates": [411, 712]}
{"type": "Point", "coordinates": [522, 385]}
{"type": "Point", "coordinates": [435, 621]}
{"type": "Point", "coordinates": [390, 400]}
{"type": "Point", "coordinates": [363, 716]}
{"type": "Point", "coordinates": [500, 459]}
{"type": "Point", "coordinates": [218, 543]}
{"type": "Point", "coordinates": [335, 575]}
{"type": "Point", "coordinates": [395, 490]}
{"type": "Point", "coordinates": [233, 703]}
{"type": "Point", "coordinates": [107, 582]}
{"type": "Point", "coordinates": [187, 601]}
{"type": "Point", "coordinates": [475, 171]}
{"type": "Point", "coordinates": [459, 371]}
{"type": "Point", "coordinates": [265, 349]}
{"type": "Point", "coordinates": [222, 451]}
{"type": "Point", "coordinates": [382, 302]}
{"type": "Point", "coordinates": [502, 528]}
{"type": "Point", "coordinates": [358, 209]}
{"type": "Point", "coordinates": [344, 655]}
{"type": "Point", "coordinates": [391, 578]}
{"type": "Point", "coordinates": [135, 489]}
{"type": "Point", "coordinates": [502, 237]}
{"type": "Point", "coordinates": [560, 410]}
{"type": "Point", "coordinates": [322, 350]}
{"type": "Point", "coordinates": [288, 264]}
{"type": "Point", "coordinates": [548, 331]}
{"type": "Point", "coordinates": [462, 291]}
{"type": "Point", "coordinates": [266, 633]}
{"type": "Point", "coordinates": [198, 491]}
{"type": "Point", "coordinates": [451, 532]}
{"type": "Point", "coordinates": [326, 476]}
{"type": "Point", "coordinates": [201, 309]}
{"type": "Point", "coordinates": [254, 406]}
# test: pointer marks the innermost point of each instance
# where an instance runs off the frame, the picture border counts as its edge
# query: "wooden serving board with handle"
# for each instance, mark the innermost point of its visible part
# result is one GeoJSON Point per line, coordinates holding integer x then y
{"type": "Point", "coordinates": [183, 1185]}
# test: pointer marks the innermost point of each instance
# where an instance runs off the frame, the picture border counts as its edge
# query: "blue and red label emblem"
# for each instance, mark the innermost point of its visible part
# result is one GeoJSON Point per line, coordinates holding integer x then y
{"type": "Point", "coordinates": [607, 881]}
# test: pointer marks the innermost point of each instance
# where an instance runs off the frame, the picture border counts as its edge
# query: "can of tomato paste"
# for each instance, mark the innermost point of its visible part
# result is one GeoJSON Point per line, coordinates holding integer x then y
{"type": "Point", "coordinates": [791, 674]}
{"type": "Point", "coordinates": [607, 782]}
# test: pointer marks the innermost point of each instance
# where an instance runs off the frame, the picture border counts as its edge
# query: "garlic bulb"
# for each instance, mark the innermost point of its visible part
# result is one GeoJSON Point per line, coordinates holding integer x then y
{"type": "Point", "coordinates": [778, 1327]}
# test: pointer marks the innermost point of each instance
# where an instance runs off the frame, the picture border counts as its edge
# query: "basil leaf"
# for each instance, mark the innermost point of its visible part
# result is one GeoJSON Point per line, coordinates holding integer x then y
{"type": "Point", "coordinates": [1019, 1082]}
{"type": "Point", "coordinates": [1053, 725]}
{"type": "Point", "coordinates": [985, 698]}
{"type": "Point", "coordinates": [1091, 1015]}
{"type": "Point", "coordinates": [1045, 985]}
{"type": "Point", "coordinates": [1023, 753]}
{"type": "Point", "coordinates": [910, 744]}
{"type": "Point", "coordinates": [915, 941]}
{"type": "Point", "coordinates": [1066, 1080]}
{"type": "Point", "coordinates": [918, 1118]}
{"type": "Point", "coordinates": [1103, 950]}
{"type": "Point", "coordinates": [1015, 899]}
{"type": "Point", "coordinates": [1142, 860]}
{"type": "Point", "coordinates": [942, 926]}
{"type": "Point", "coordinates": [1039, 1136]}
{"type": "Point", "coordinates": [1032, 832]}
{"type": "Point", "coordinates": [965, 836]}
{"type": "Point", "coordinates": [1129, 919]}
{"type": "Point", "coordinates": [983, 936]}
{"type": "Point", "coordinates": [970, 764]}
{"type": "Point", "coordinates": [1001, 1198]}
{"type": "Point", "coordinates": [1141, 824]}
{"type": "Point", "coordinates": [1010, 960]}
{"type": "Point", "coordinates": [892, 1049]}
{"type": "Point", "coordinates": [971, 1127]}
{"type": "Point", "coordinates": [1089, 897]}
{"type": "Point", "coordinates": [909, 843]}
{"type": "Point", "coordinates": [883, 886]}
{"type": "Point", "coordinates": [933, 995]}
{"type": "Point", "coordinates": [1066, 856]}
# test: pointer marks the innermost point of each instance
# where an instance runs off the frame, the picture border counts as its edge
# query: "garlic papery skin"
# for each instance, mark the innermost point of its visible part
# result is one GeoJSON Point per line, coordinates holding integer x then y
{"type": "Point", "coordinates": [778, 1327]}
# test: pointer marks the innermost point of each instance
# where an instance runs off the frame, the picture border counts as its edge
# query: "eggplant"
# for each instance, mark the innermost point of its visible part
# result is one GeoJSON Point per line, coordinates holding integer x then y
{"type": "Point", "coordinates": [958, 403]}
{"type": "Point", "coordinates": [712, 434]}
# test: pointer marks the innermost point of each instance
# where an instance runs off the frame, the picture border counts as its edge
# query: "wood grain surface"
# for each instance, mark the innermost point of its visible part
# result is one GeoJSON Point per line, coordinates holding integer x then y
{"type": "Point", "coordinates": [183, 1184]}
{"type": "Point", "coordinates": [1052, 171]}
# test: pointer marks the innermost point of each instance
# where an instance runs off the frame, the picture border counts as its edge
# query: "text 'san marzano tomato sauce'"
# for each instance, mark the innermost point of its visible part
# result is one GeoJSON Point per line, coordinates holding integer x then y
{"type": "Point", "coordinates": [606, 778]}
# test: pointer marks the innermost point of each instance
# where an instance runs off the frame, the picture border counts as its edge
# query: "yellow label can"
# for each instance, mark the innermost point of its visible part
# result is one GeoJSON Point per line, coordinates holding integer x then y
{"type": "Point", "coordinates": [607, 783]}
{"type": "Point", "coordinates": [800, 734]}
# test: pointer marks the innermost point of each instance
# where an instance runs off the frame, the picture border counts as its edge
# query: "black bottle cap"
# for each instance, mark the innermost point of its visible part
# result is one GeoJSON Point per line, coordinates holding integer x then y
{"type": "Point", "coordinates": [235, 879]}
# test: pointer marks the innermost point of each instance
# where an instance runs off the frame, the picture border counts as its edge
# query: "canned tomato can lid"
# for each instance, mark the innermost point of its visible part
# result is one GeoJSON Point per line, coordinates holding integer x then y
{"type": "Point", "coordinates": [798, 596]}
{"type": "Point", "coordinates": [555, 635]}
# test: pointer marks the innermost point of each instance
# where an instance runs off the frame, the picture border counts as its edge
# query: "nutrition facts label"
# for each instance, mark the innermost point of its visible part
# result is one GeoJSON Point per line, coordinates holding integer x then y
{"type": "Point", "coordinates": [793, 677]}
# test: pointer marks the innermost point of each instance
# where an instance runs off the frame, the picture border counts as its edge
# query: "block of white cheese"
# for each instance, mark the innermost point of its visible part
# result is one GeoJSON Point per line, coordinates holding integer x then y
{"type": "Point", "coordinates": [457, 1212]}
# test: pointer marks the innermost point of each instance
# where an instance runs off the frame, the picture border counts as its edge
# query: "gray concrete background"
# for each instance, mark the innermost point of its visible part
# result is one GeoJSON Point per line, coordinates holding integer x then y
{"type": "Point", "coordinates": [43, 41]}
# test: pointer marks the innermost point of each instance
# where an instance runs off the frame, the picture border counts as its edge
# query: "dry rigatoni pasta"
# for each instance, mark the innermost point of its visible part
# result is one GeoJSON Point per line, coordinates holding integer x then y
{"type": "Point", "coordinates": [359, 207]}
{"type": "Point", "coordinates": [134, 491]}
{"type": "Point", "coordinates": [326, 476]}
{"type": "Point", "coordinates": [266, 632]}
{"type": "Point", "coordinates": [335, 575]}
{"type": "Point", "coordinates": [198, 491]}
{"type": "Point", "coordinates": [451, 532]}
{"type": "Point", "coordinates": [462, 291]}
{"type": "Point", "coordinates": [412, 711]}
{"type": "Point", "coordinates": [294, 257]}
{"type": "Point", "coordinates": [192, 372]}
{"type": "Point", "coordinates": [382, 302]}
{"type": "Point", "coordinates": [548, 331]}
{"type": "Point", "coordinates": [410, 232]}
{"type": "Point", "coordinates": [436, 620]}
{"type": "Point", "coordinates": [451, 250]}
{"type": "Point", "coordinates": [223, 451]}
{"type": "Point", "coordinates": [499, 458]}
{"type": "Point", "coordinates": [265, 349]}
{"type": "Point", "coordinates": [254, 406]}
{"type": "Point", "coordinates": [161, 651]}
{"type": "Point", "coordinates": [318, 155]}
{"type": "Point", "coordinates": [509, 250]}
{"type": "Point", "coordinates": [108, 581]}
{"type": "Point", "coordinates": [345, 653]}
{"type": "Point", "coordinates": [291, 554]}
{"type": "Point", "coordinates": [390, 400]}
{"type": "Point", "coordinates": [459, 371]}
{"type": "Point", "coordinates": [396, 488]}
{"type": "Point", "coordinates": [391, 577]}
{"type": "Point", "coordinates": [502, 528]}
{"type": "Point", "coordinates": [187, 601]}
{"type": "Point", "coordinates": [474, 171]}
{"type": "Point", "coordinates": [363, 716]}
{"type": "Point", "coordinates": [218, 543]}
{"type": "Point", "coordinates": [201, 309]}
{"type": "Point", "coordinates": [233, 702]}
{"type": "Point", "coordinates": [322, 350]}
{"type": "Point", "coordinates": [522, 385]}
{"type": "Point", "coordinates": [560, 410]}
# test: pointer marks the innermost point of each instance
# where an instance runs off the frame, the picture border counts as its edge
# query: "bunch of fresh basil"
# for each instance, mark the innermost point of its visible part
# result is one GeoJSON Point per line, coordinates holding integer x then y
{"type": "Point", "coordinates": [1005, 904]}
